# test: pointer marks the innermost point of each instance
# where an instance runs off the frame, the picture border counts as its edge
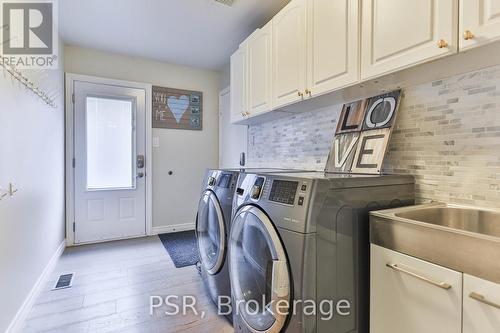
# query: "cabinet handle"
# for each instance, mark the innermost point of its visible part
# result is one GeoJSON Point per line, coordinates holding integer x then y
{"type": "Point", "coordinates": [442, 44]}
{"type": "Point", "coordinates": [482, 299]}
{"type": "Point", "coordinates": [442, 285]}
{"type": "Point", "coordinates": [468, 35]}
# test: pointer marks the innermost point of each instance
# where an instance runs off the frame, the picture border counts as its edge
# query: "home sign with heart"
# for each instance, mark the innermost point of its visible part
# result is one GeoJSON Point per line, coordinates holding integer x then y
{"type": "Point", "coordinates": [177, 109]}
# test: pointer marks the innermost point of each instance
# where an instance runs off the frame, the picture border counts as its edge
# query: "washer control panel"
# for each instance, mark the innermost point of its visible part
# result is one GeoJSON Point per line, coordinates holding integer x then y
{"type": "Point", "coordinates": [257, 188]}
{"type": "Point", "coordinates": [283, 191]}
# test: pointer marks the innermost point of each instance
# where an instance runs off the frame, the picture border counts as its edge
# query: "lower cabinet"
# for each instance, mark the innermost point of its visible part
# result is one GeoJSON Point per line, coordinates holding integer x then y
{"type": "Point", "coordinates": [409, 295]}
{"type": "Point", "coordinates": [481, 306]}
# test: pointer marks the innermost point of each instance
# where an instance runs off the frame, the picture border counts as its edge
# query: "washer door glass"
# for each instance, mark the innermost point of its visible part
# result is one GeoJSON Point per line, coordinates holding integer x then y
{"type": "Point", "coordinates": [259, 271]}
{"type": "Point", "coordinates": [210, 232]}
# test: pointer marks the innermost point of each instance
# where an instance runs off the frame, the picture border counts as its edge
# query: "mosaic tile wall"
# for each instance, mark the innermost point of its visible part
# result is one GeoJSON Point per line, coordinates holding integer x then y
{"type": "Point", "coordinates": [301, 141]}
{"type": "Point", "coordinates": [447, 134]}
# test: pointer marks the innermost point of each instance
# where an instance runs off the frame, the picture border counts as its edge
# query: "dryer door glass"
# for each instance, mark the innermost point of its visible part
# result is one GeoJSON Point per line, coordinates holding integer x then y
{"type": "Point", "coordinates": [210, 232]}
{"type": "Point", "coordinates": [259, 271]}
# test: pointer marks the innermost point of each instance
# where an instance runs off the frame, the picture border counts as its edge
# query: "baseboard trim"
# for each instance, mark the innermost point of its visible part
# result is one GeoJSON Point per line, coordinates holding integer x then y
{"type": "Point", "coordinates": [172, 228]}
{"type": "Point", "coordinates": [17, 323]}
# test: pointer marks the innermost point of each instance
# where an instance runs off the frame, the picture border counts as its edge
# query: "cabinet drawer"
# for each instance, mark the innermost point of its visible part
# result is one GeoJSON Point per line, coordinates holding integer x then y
{"type": "Point", "coordinates": [481, 305]}
{"type": "Point", "coordinates": [413, 296]}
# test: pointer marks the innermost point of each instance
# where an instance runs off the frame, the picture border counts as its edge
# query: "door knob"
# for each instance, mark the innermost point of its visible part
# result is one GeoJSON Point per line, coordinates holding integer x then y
{"type": "Point", "coordinates": [442, 44]}
{"type": "Point", "coordinates": [468, 35]}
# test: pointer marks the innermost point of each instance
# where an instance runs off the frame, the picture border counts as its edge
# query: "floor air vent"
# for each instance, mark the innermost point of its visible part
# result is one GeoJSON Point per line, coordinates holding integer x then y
{"type": "Point", "coordinates": [64, 281]}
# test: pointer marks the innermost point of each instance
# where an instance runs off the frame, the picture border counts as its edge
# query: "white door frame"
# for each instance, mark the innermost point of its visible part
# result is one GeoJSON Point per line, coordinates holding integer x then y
{"type": "Point", "coordinates": [70, 176]}
{"type": "Point", "coordinates": [222, 93]}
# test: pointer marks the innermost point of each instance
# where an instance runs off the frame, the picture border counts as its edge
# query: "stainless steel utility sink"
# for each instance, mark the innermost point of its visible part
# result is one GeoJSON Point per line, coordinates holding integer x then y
{"type": "Point", "coordinates": [468, 219]}
{"type": "Point", "coordinates": [466, 239]}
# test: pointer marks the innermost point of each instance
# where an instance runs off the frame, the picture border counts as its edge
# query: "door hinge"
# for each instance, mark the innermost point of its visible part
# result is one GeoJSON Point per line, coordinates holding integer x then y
{"type": "Point", "coordinates": [73, 98]}
{"type": "Point", "coordinates": [74, 163]}
{"type": "Point", "coordinates": [74, 226]}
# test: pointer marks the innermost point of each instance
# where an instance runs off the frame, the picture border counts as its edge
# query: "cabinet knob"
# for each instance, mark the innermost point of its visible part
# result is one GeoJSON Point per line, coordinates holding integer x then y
{"type": "Point", "coordinates": [468, 35]}
{"type": "Point", "coordinates": [247, 113]}
{"type": "Point", "coordinates": [309, 92]}
{"type": "Point", "coordinates": [300, 94]}
{"type": "Point", "coordinates": [442, 44]}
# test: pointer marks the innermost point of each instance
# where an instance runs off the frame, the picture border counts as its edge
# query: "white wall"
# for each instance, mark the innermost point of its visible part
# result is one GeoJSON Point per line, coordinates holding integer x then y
{"type": "Point", "coordinates": [32, 158]}
{"type": "Point", "coordinates": [186, 153]}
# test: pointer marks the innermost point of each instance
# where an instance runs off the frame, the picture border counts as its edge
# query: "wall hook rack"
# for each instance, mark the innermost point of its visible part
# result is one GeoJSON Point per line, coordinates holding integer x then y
{"type": "Point", "coordinates": [12, 190]}
{"type": "Point", "coordinates": [17, 75]}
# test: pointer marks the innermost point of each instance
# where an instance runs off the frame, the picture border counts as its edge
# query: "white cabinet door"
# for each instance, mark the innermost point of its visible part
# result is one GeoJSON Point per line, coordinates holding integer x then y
{"type": "Point", "coordinates": [400, 33]}
{"type": "Point", "coordinates": [481, 306]}
{"type": "Point", "coordinates": [259, 70]}
{"type": "Point", "coordinates": [479, 22]}
{"type": "Point", "coordinates": [238, 84]}
{"type": "Point", "coordinates": [333, 45]}
{"type": "Point", "coordinates": [409, 295]}
{"type": "Point", "coordinates": [289, 54]}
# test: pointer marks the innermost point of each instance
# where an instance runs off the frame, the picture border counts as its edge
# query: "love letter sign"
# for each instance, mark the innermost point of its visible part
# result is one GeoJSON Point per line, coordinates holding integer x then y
{"type": "Point", "coordinates": [177, 109]}
{"type": "Point", "coordinates": [362, 135]}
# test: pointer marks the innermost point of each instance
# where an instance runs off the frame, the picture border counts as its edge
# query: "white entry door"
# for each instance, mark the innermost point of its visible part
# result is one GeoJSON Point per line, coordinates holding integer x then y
{"type": "Point", "coordinates": [109, 151]}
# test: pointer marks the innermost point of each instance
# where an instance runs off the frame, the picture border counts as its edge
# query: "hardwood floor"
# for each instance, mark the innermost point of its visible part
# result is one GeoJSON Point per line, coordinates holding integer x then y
{"type": "Point", "coordinates": [112, 288]}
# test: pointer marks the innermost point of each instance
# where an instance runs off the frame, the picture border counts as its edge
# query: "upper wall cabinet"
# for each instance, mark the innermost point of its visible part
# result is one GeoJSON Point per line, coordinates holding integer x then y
{"type": "Point", "coordinates": [289, 54]}
{"type": "Point", "coordinates": [259, 70]}
{"type": "Point", "coordinates": [400, 33]}
{"type": "Point", "coordinates": [333, 45]}
{"type": "Point", "coordinates": [479, 22]}
{"type": "Point", "coordinates": [238, 85]}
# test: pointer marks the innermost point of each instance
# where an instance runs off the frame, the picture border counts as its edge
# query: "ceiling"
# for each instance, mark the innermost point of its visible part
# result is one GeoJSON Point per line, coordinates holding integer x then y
{"type": "Point", "coordinates": [197, 33]}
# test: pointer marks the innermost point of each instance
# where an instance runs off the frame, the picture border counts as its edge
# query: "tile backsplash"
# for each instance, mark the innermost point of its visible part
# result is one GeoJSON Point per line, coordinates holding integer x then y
{"type": "Point", "coordinates": [447, 134]}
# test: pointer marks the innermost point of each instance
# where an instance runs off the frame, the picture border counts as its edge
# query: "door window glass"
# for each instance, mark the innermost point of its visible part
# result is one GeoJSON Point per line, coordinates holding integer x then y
{"type": "Point", "coordinates": [110, 143]}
